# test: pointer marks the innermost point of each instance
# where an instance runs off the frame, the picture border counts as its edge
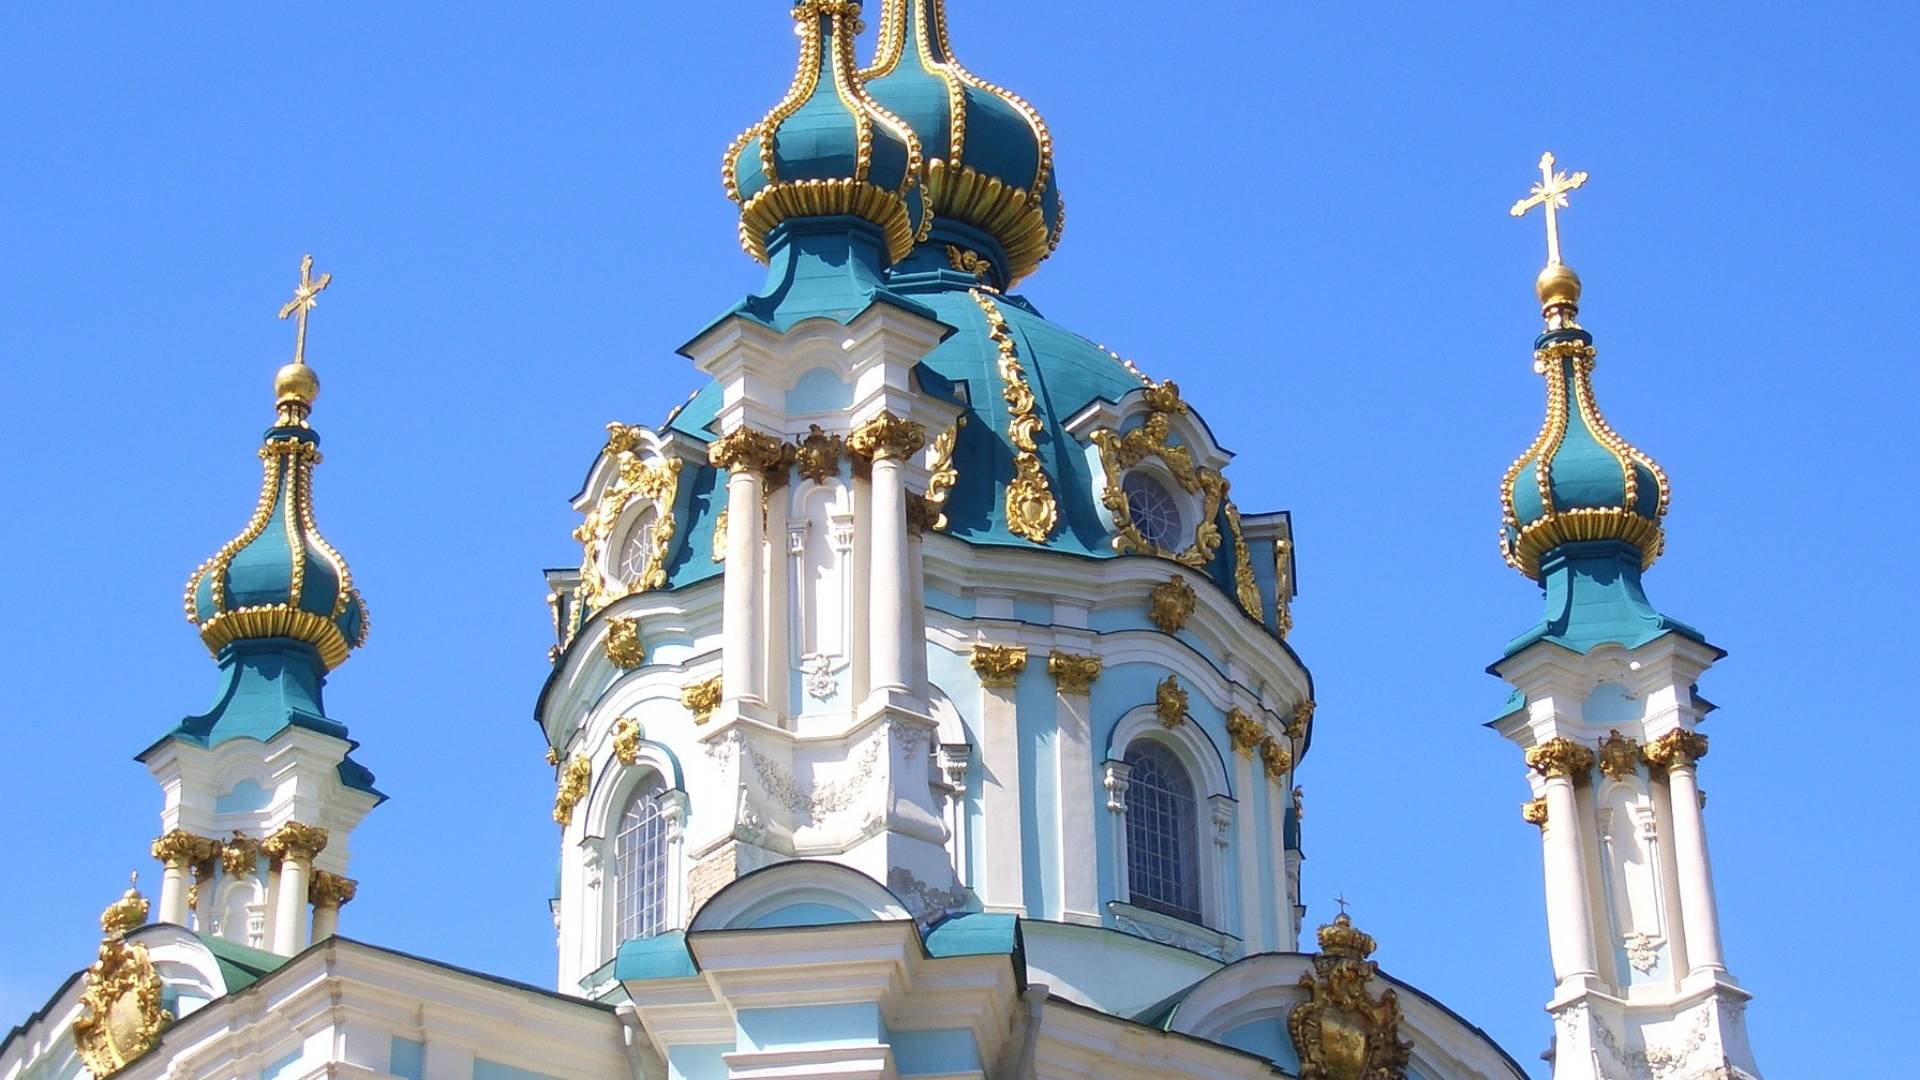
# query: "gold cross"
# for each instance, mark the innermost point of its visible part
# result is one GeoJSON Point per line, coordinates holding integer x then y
{"type": "Point", "coordinates": [1550, 192]}
{"type": "Point", "coordinates": [304, 297]}
{"type": "Point", "coordinates": [1342, 901]}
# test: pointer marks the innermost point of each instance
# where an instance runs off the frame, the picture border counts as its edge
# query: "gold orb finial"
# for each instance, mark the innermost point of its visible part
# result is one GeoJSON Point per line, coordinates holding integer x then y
{"type": "Point", "coordinates": [295, 384]}
{"type": "Point", "coordinates": [127, 913]}
{"type": "Point", "coordinates": [1557, 286]}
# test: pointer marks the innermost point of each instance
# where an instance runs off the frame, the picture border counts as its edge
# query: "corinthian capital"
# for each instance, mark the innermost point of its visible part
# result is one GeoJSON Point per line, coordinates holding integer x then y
{"type": "Point", "coordinates": [294, 840]}
{"type": "Point", "coordinates": [1676, 749]}
{"type": "Point", "coordinates": [1245, 731]}
{"type": "Point", "coordinates": [999, 665]}
{"type": "Point", "coordinates": [180, 848]}
{"type": "Point", "coordinates": [330, 890]}
{"type": "Point", "coordinates": [1561, 757]}
{"type": "Point", "coordinates": [887, 436]}
{"type": "Point", "coordinates": [1074, 674]}
{"type": "Point", "coordinates": [745, 448]}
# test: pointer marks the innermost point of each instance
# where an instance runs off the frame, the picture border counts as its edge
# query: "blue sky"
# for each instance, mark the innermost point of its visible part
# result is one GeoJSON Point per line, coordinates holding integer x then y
{"type": "Point", "coordinates": [1297, 211]}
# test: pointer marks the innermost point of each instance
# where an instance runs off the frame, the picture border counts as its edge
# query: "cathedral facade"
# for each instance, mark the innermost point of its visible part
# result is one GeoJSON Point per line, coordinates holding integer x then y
{"type": "Point", "coordinates": [921, 704]}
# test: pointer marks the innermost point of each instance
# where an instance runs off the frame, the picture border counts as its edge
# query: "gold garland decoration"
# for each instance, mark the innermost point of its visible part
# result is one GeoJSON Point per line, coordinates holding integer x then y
{"type": "Point", "coordinates": [1032, 512]}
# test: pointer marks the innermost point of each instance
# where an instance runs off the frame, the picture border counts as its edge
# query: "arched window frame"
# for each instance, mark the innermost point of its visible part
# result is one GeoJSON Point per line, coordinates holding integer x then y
{"type": "Point", "coordinates": [1214, 811]}
{"type": "Point", "coordinates": [597, 910]}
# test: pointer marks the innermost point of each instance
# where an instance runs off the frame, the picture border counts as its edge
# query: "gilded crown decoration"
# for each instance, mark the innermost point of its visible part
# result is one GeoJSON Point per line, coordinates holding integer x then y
{"type": "Point", "coordinates": [121, 1014]}
{"type": "Point", "coordinates": [1344, 1031]}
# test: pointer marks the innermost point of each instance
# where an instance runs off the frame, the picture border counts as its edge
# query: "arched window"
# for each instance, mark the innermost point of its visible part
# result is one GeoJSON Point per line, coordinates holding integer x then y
{"type": "Point", "coordinates": [1154, 510]}
{"type": "Point", "coordinates": [1163, 850]}
{"type": "Point", "coordinates": [640, 866]}
{"type": "Point", "coordinates": [637, 547]}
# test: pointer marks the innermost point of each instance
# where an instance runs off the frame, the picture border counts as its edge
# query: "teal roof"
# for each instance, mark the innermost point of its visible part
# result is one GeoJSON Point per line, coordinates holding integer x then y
{"type": "Point", "coordinates": [1583, 474]}
{"type": "Point", "coordinates": [1594, 597]}
{"type": "Point", "coordinates": [240, 965]}
{"type": "Point", "coordinates": [268, 685]}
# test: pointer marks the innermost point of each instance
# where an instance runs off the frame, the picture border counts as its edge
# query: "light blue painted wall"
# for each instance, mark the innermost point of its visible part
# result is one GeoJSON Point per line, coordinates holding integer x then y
{"type": "Point", "coordinates": [960, 607]}
{"type": "Point", "coordinates": [1609, 704]}
{"type": "Point", "coordinates": [953, 673]}
{"type": "Point", "coordinates": [949, 1050]}
{"type": "Point", "coordinates": [698, 1062]}
{"type": "Point", "coordinates": [1037, 612]}
{"type": "Point", "coordinates": [853, 1024]}
{"type": "Point", "coordinates": [819, 390]}
{"type": "Point", "coordinates": [407, 1059]}
{"type": "Point", "coordinates": [493, 1070]}
{"type": "Point", "coordinates": [243, 796]}
{"type": "Point", "coordinates": [806, 915]}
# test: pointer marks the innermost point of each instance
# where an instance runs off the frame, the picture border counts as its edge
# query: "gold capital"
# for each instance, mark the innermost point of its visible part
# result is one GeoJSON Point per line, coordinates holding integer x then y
{"type": "Point", "coordinates": [180, 849]}
{"type": "Point", "coordinates": [1277, 758]}
{"type": "Point", "coordinates": [1551, 195]}
{"type": "Point", "coordinates": [999, 666]}
{"type": "Point", "coordinates": [1561, 757]}
{"type": "Point", "coordinates": [1534, 812]}
{"type": "Point", "coordinates": [295, 841]}
{"type": "Point", "coordinates": [1073, 674]}
{"type": "Point", "coordinates": [331, 890]}
{"type": "Point", "coordinates": [745, 448]}
{"type": "Point", "coordinates": [887, 436]}
{"type": "Point", "coordinates": [1245, 731]}
{"type": "Point", "coordinates": [1676, 749]}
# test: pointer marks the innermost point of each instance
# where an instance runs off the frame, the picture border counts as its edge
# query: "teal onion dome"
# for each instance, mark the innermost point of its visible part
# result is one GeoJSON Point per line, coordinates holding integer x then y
{"type": "Point", "coordinates": [828, 150]}
{"type": "Point", "coordinates": [279, 578]}
{"type": "Point", "coordinates": [1579, 481]}
{"type": "Point", "coordinates": [989, 154]}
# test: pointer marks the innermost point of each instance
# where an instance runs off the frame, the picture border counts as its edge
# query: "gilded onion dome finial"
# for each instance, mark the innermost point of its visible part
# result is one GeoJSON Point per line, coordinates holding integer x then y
{"type": "Point", "coordinates": [828, 149]}
{"type": "Point", "coordinates": [989, 154]}
{"type": "Point", "coordinates": [1579, 481]}
{"type": "Point", "coordinates": [279, 578]}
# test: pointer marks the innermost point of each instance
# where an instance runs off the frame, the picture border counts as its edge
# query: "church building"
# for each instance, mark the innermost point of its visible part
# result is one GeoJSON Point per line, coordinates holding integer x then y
{"type": "Point", "coordinates": [922, 703]}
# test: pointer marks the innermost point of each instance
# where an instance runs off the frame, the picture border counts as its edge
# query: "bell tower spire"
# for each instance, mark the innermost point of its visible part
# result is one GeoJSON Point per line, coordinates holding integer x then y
{"type": "Point", "coordinates": [262, 788]}
{"type": "Point", "coordinates": [1605, 712]}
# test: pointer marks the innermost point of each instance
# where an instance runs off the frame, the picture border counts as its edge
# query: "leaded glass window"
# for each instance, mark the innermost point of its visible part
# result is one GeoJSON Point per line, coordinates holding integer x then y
{"type": "Point", "coordinates": [637, 548]}
{"type": "Point", "coordinates": [1163, 852]}
{"type": "Point", "coordinates": [1154, 510]}
{"type": "Point", "coordinates": [640, 867]}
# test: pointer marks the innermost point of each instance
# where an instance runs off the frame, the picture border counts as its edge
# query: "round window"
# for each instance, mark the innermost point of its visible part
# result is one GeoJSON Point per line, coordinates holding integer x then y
{"type": "Point", "coordinates": [637, 549]}
{"type": "Point", "coordinates": [1154, 510]}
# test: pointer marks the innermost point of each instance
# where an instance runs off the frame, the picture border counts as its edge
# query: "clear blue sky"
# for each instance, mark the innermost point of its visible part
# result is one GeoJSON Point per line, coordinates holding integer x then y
{"type": "Point", "coordinates": [1298, 211]}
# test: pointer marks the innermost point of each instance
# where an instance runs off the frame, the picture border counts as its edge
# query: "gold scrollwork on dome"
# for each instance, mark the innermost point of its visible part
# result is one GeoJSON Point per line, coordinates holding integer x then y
{"type": "Point", "coordinates": [123, 1017]}
{"type": "Point", "coordinates": [1342, 1031]}
{"type": "Point", "coordinates": [942, 475]}
{"type": "Point", "coordinates": [1153, 438]}
{"type": "Point", "coordinates": [633, 480]}
{"type": "Point", "coordinates": [1032, 512]}
{"type": "Point", "coordinates": [1246, 588]}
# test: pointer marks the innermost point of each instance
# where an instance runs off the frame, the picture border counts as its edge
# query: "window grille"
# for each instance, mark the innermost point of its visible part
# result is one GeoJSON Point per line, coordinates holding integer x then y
{"type": "Point", "coordinates": [1154, 510]}
{"type": "Point", "coordinates": [640, 861]}
{"type": "Point", "coordinates": [1163, 853]}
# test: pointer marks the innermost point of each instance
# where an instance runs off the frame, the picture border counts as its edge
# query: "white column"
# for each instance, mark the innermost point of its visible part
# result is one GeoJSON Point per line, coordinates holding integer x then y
{"type": "Point", "coordinates": [1699, 915]}
{"type": "Point", "coordinates": [1116, 779]}
{"type": "Point", "coordinates": [177, 851]}
{"type": "Point", "coordinates": [289, 915]}
{"type": "Point", "coordinates": [1078, 809]}
{"type": "Point", "coordinates": [1569, 911]}
{"type": "Point", "coordinates": [329, 892]}
{"type": "Point", "coordinates": [1003, 878]}
{"type": "Point", "coordinates": [887, 442]}
{"type": "Point", "coordinates": [889, 619]}
{"type": "Point", "coordinates": [746, 455]}
{"type": "Point", "coordinates": [295, 845]}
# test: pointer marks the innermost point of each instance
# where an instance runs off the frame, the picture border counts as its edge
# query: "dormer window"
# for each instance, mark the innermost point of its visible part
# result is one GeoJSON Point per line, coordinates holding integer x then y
{"type": "Point", "coordinates": [1154, 510]}
{"type": "Point", "coordinates": [637, 547]}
